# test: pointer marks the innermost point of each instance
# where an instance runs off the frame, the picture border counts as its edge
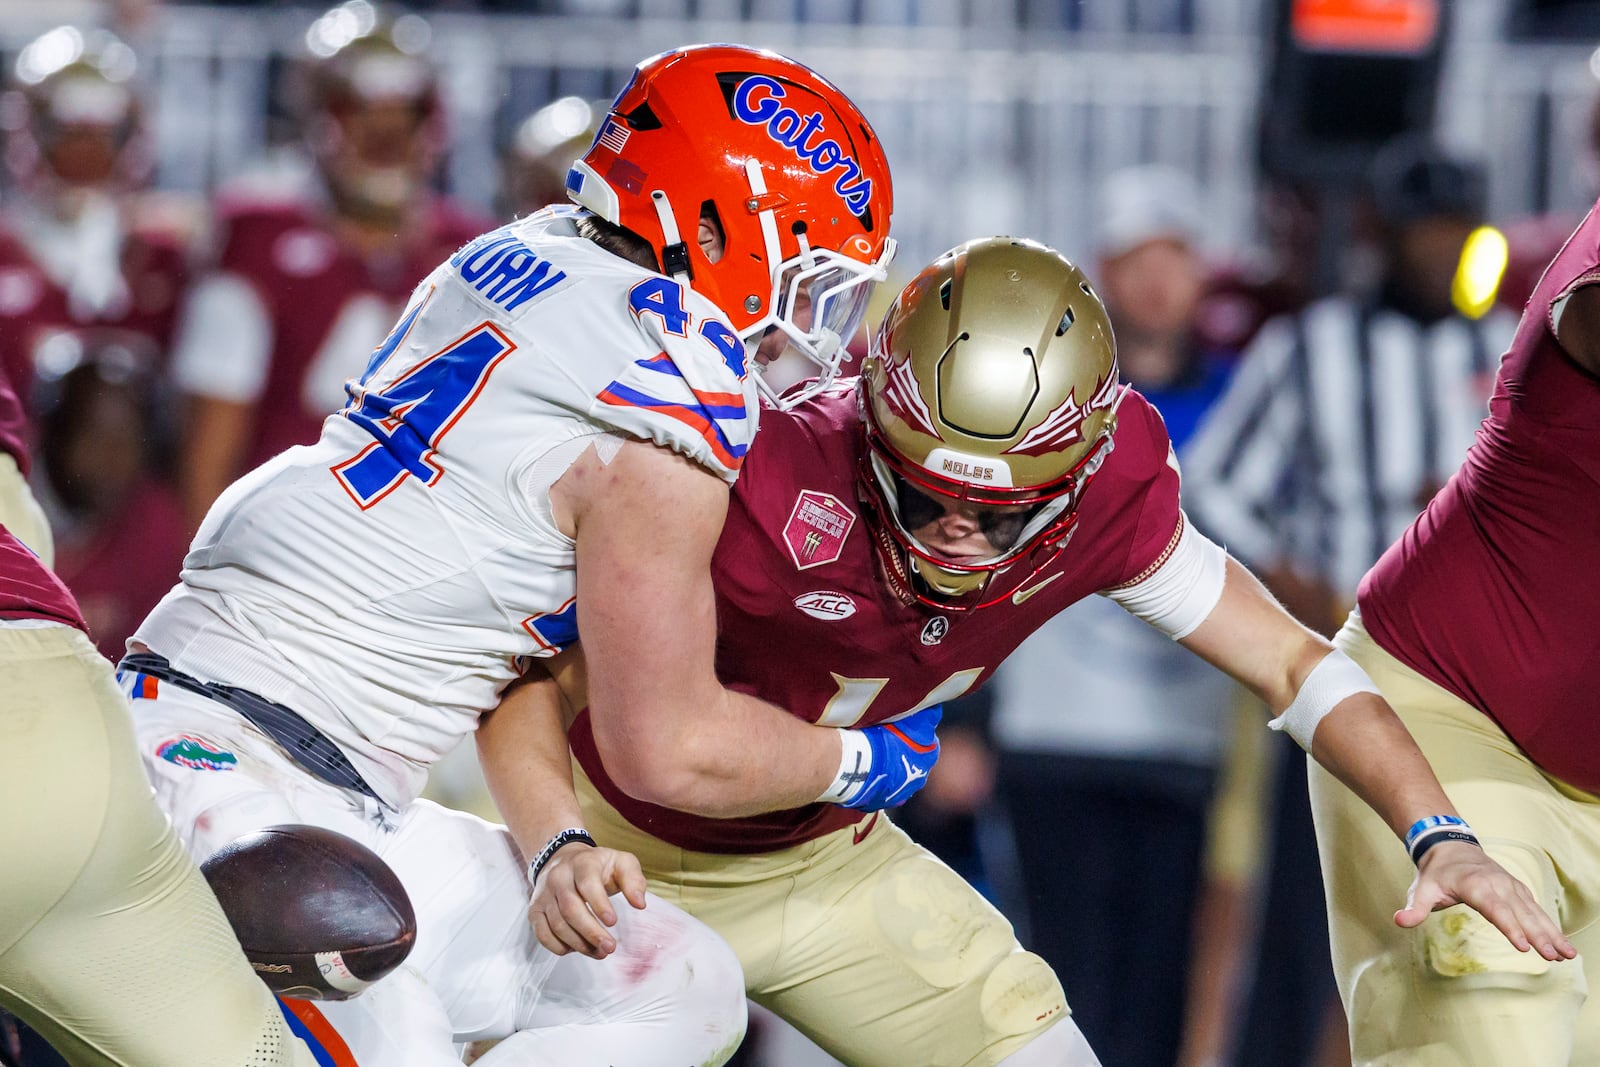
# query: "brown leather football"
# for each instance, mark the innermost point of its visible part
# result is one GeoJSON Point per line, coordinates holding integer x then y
{"type": "Point", "coordinates": [320, 916]}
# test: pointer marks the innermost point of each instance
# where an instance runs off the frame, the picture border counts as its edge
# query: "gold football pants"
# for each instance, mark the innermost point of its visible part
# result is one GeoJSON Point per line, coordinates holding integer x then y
{"type": "Point", "coordinates": [862, 939]}
{"type": "Point", "coordinates": [111, 944]}
{"type": "Point", "coordinates": [1454, 992]}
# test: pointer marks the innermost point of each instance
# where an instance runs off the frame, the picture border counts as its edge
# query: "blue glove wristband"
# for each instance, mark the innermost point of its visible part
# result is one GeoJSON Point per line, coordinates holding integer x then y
{"type": "Point", "coordinates": [885, 765]}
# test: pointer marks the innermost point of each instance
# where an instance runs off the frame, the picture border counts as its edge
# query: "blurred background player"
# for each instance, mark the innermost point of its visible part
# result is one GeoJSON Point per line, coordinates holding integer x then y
{"type": "Point", "coordinates": [542, 150]}
{"type": "Point", "coordinates": [304, 285]}
{"type": "Point", "coordinates": [1477, 625]}
{"type": "Point", "coordinates": [111, 944]}
{"type": "Point", "coordinates": [104, 467]}
{"type": "Point", "coordinates": [83, 246]}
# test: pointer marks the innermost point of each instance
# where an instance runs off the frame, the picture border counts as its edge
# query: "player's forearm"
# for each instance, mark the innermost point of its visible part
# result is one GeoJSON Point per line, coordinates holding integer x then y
{"type": "Point", "coordinates": [722, 754]}
{"type": "Point", "coordinates": [214, 441]}
{"type": "Point", "coordinates": [1366, 746]}
{"type": "Point", "coordinates": [522, 748]}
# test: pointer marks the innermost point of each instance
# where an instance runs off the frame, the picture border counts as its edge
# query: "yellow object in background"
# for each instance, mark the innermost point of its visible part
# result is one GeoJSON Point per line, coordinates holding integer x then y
{"type": "Point", "coordinates": [1479, 271]}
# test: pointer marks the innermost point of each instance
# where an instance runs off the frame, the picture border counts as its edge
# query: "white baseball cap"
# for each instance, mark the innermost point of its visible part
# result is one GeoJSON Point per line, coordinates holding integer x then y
{"type": "Point", "coordinates": [1148, 203]}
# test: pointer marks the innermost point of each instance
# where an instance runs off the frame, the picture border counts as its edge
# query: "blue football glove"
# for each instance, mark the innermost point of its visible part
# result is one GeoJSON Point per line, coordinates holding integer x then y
{"type": "Point", "coordinates": [886, 764]}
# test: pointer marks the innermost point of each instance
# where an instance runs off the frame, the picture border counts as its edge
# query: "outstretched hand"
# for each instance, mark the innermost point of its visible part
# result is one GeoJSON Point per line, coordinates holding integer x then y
{"type": "Point", "coordinates": [1459, 872]}
{"type": "Point", "coordinates": [571, 906]}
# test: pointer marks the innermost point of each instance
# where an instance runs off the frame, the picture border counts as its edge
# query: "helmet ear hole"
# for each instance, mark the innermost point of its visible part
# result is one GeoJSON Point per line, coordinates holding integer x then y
{"type": "Point", "coordinates": [713, 235]}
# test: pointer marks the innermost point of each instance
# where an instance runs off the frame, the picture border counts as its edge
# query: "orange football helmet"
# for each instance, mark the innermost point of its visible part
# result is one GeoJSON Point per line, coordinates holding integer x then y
{"type": "Point", "coordinates": [992, 382]}
{"type": "Point", "coordinates": [791, 169]}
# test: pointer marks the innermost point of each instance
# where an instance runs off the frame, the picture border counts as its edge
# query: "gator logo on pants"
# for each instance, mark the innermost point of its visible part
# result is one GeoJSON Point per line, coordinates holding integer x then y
{"type": "Point", "coordinates": [186, 750]}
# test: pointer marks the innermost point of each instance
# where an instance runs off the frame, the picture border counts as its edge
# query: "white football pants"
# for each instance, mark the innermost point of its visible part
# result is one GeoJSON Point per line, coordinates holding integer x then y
{"type": "Point", "coordinates": [672, 994]}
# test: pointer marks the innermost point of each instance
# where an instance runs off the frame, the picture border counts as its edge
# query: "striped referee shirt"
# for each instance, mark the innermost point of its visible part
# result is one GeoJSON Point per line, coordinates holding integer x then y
{"type": "Point", "coordinates": [1340, 424]}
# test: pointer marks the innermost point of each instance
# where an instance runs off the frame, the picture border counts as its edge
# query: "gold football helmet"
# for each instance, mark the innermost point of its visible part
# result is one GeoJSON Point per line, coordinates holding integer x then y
{"type": "Point", "coordinates": [991, 389]}
{"type": "Point", "coordinates": [71, 117]}
{"type": "Point", "coordinates": [371, 108]}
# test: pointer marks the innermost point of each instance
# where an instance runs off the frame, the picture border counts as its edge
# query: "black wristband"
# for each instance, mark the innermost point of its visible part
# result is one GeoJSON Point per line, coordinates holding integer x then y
{"type": "Point", "coordinates": [1426, 841]}
{"type": "Point", "coordinates": [565, 837]}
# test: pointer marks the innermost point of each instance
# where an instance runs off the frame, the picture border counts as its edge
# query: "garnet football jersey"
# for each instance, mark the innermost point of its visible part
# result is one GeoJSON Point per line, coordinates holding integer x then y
{"type": "Point", "coordinates": [44, 265]}
{"type": "Point", "coordinates": [1492, 592]}
{"type": "Point", "coordinates": [28, 589]}
{"type": "Point", "coordinates": [124, 566]}
{"type": "Point", "coordinates": [805, 621]}
{"type": "Point", "coordinates": [13, 426]}
{"type": "Point", "coordinates": [303, 309]}
{"type": "Point", "coordinates": [386, 581]}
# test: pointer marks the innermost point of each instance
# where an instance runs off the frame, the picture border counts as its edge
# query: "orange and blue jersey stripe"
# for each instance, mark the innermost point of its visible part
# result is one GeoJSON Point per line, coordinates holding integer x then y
{"type": "Point", "coordinates": [138, 686]}
{"type": "Point", "coordinates": [701, 416]}
{"type": "Point", "coordinates": [309, 1024]}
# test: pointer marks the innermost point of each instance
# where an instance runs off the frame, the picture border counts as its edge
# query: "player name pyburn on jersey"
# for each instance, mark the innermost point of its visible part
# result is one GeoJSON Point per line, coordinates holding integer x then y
{"type": "Point", "coordinates": [504, 270]}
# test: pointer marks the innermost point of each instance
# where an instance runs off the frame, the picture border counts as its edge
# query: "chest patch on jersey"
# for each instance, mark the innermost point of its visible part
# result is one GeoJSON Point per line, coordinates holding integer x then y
{"type": "Point", "coordinates": [817, 528]}
{"type": "Point", "coordinates": [934, 631]}
{"type": "Point", "coordinates": [20, 291]}
{"type": "Point", "coordinates": [304, 253]}
{"type": "Point", "coordinates": [826, 604]}
{"type": "Point", "coordinates": [198, 754]}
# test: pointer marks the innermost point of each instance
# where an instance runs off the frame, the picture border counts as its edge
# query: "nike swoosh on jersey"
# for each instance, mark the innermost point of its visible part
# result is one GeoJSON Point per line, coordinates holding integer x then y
{"type": "Point", "coordinates": [1023, 594]}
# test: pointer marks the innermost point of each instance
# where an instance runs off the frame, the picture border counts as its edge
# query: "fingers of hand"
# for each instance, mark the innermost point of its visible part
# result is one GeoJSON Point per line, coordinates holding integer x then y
{"type": "Point", "coordinates": [630, 878]}
{"type": "Point", "coordinates": [583, 931]}
{"type": "Point", "coordinates": [1542, 930]}
{"type": "Point", "coordinates": [541, 930]}
{"type": "Point", "coordinates": [594, 891]}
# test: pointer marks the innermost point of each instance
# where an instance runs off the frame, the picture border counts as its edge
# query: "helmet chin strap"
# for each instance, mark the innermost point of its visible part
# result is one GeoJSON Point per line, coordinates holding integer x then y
{"type": "Point", "coordinates": [768, 221]}
{"type": "Point", "coordinates": [674, 253]}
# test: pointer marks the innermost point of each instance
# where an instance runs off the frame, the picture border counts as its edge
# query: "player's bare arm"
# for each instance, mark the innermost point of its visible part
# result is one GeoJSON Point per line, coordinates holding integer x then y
{"type": "Point", "coordinates": [1365, 745]}
{"type": "Point", "coordinates": [646, 524]}
{"type": "Point", "coordinates": [522, 747]}
{"type": "Point", "coordinates": [1578, 326]}
{"type": "Point", "coordinates": [216, 433]}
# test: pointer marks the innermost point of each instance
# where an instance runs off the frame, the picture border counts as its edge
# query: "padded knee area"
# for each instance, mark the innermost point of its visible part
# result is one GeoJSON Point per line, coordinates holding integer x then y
{"type": "Point", "coordinates": [1021, 995]}
{"type": "Point", "coordinates": [1458, 942]}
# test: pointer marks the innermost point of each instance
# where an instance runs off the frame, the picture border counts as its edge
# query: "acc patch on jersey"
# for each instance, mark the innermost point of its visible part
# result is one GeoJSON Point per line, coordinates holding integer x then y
{"type": "Point", "coordinates": [817, 528]}
{"type": "Point", "coordinates": [826, 604]}
{"type": "Point", "coordinates": [187, 750]}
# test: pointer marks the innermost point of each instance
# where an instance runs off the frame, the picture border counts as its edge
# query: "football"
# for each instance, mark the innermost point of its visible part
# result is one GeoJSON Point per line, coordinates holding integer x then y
{"type": "Point", "coordinates": [320, 916]}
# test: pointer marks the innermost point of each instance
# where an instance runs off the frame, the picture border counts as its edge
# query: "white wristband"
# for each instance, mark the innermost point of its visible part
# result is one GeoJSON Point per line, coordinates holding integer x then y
{"type": "Point", "coordinates": [1336, 677]}
{"type": "Point", "coordinates": [854, 760]}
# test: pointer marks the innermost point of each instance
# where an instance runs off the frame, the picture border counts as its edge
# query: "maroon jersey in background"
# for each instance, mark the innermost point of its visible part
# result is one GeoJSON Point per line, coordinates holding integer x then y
{"type": "Point", "coordinates": [33, 307]}
{"type": "Point", "coordinates": [804, 620]}
{"type": "Point", "coordinates": [307, 279]}
{"type": "Point", "coordinates": [28, 590]}
{"type": "Point", "coordinates": [121, 570]}
{"type": "Point", "coordinates": [13, 426]}
{"type": "Point", "coordinates": [1493, 591]}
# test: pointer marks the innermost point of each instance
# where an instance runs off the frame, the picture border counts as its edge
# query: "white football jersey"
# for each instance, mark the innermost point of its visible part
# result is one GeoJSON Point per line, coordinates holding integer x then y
{"type": "Point", "coordinates": [386, 582]}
